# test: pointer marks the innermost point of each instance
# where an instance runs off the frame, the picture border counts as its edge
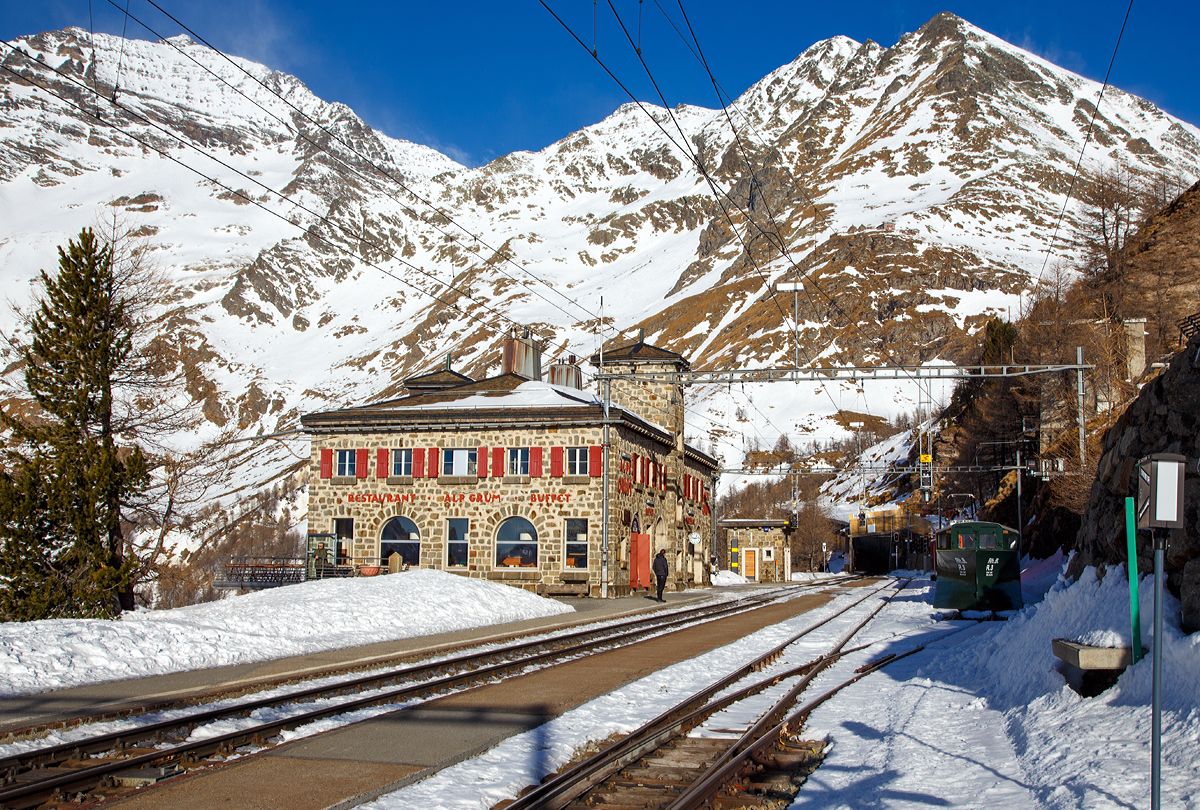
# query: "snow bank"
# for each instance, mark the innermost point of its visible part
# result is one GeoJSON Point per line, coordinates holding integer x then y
{"type": "Point", "coordinates": [725, 578]}
{"type": "Point", "coordinates": [984, 718]}
{"type": "Point", "coordinates": [811, 576]}
{"type": "Point", "coordinates": [293, 620]}
{"type": "Point", "coordinates": [1039, 576]}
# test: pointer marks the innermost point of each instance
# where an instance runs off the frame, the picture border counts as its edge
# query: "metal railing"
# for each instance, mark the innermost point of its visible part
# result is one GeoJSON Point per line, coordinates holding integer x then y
{"type": "Point", "coordinates": [256, 573]}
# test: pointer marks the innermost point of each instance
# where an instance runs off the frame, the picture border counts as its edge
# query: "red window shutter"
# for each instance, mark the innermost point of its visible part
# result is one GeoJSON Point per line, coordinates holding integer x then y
{"type": "Point", "coordinates": [481, 460]}
{"type": "Point", "coordinates": [535, 462]}
{"type": "Point", "coordinates": [498, 462]}
{"type": "Point", "coordinates": [687, 486]}
{"type": "Point", "coordinates": [434, 468]}
{"type": "Point", "coordinates": [595, 461]}
{"type": "Point", "coordinates": [556, 462]}
{"type": "Point", "coordinates": [381, 463]}
{"type": "Point", "coordinates": [418, 462]}
{"type": "Point", "coordinates": [327, 464]}
{"type": "Point", "coordinates": [360, 462]}
{"type": "Point", "coordinates": [637, 469]}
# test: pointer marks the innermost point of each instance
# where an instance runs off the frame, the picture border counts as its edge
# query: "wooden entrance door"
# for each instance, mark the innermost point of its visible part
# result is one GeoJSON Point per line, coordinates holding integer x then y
{"type": "Point", "coordinates": [639, 560]}
{"type": "Point", "coordinates": [750, 563]}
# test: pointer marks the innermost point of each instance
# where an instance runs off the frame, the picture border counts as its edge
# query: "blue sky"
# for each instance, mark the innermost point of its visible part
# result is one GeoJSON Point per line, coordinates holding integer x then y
{"type": "Point", "coordinates": [478, 80]}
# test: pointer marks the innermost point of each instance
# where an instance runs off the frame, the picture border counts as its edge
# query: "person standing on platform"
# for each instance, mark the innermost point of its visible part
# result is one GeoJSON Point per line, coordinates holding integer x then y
{"type": "Point", "coordinates": [661, 570]}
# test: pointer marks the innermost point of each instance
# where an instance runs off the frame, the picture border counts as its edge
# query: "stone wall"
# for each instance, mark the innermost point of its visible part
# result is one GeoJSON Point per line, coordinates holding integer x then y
{"type": "Point", "coordinates": [1163, 419]}
{"type": "Point", "coordinates": [547, 502]}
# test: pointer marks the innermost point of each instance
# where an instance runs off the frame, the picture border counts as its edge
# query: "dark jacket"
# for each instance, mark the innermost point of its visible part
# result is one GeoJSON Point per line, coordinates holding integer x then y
{"type": "Point", "coordinates": [660, 565]}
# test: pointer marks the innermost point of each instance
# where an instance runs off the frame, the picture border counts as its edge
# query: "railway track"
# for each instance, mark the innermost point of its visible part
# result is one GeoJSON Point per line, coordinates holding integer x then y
{"type": "Point", "coordinates": [105, 764]}
{"type": "Point", "coordinates": [736, 750]}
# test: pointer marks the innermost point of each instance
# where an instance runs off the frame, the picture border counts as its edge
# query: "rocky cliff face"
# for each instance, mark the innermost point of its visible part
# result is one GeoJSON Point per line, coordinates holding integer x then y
{"type": "Point", "coordinates": [913, 189]}
{"type": "Point", "coordinates": [1163, 419]}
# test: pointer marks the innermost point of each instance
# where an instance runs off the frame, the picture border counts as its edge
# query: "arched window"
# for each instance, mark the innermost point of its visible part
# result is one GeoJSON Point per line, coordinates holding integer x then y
{"type": "Point", "coordinates": [400, 536]}
{"type": "Point", "coordinates": [516, 544]}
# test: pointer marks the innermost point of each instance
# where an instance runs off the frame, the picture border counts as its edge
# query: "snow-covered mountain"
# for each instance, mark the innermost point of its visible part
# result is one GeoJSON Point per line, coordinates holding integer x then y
{"type": "Point", "coordinates": [914, 189]}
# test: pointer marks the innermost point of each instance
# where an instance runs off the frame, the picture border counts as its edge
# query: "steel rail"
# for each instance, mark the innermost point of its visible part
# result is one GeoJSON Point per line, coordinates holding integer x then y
{"type": "Point", "coordinates": [82, 779]}
{"type": "Point", "coordinates": [104, 742]}
{"type": "Point", "coordinates": [758, 735]}
{"type": "Point", "coordinates": [563, 788]}
{"type": "Point", "coordinates": [708, 785]}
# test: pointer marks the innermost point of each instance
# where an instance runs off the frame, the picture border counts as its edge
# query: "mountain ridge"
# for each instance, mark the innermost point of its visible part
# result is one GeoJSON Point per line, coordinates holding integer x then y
{"type": "Point", "coordinates": [917, 185]}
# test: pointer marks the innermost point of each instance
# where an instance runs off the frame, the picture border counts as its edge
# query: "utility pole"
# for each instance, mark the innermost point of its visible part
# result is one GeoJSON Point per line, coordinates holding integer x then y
{"type": "Point", "coordinates": [795, 288]}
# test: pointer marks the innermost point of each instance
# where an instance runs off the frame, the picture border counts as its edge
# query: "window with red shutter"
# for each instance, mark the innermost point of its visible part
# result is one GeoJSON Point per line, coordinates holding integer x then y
{"type": "Point", "coordinates": [327, 464]}
{"type": "Point", "coordinates": [360, 464]}
{"type": "Point", "coordinates": [556, 462]}
{"type": "Point", "coordinates": [595, 461]}
{"type": "Point", "coordinates": [418, 462]}
{"type": "Point", "coordinates": [432, 458]}
{"type": "Point", "coordinates": [381, 462]}
{"type": "Point", "coordinates": [481, 462]}
{"type": "Point", "coordinates": [535, 462]}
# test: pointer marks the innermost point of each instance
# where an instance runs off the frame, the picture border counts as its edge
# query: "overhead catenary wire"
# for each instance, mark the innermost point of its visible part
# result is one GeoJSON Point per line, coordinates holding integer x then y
{"type": "Point", "coordinates": [121, 58]}
{"type": "Point", "coordinates": [717, 190]}
{"type": "Point", "coordinates": [698, 52]}
{"type": "Point", "coordinates": [431, 360]}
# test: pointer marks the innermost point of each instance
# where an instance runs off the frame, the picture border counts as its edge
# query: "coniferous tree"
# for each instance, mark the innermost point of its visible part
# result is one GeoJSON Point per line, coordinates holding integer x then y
{"type": "Point", "coordinates": [62, 550]}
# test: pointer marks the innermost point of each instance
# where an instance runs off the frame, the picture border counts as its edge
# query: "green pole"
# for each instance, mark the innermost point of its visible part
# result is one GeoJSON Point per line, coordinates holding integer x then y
{"type": "Point", "coordinates": [1131, 545]}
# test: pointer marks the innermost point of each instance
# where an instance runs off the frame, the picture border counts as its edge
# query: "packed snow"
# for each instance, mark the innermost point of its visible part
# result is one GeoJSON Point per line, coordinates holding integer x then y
{"type": "Point", "coordinates": [294, 620]}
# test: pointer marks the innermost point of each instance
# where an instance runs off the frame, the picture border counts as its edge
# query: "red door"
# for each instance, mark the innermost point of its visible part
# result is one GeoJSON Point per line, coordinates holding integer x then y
{"type": "Point", "coordinates": [639, 560]}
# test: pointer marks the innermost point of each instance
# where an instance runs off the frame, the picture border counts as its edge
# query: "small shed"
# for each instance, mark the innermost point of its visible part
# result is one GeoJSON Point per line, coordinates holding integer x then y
{"type": "Point", "coordinates": [759, 549]}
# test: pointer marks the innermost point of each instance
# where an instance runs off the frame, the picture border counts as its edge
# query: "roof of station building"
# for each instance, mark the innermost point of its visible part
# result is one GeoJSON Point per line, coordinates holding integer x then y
{"type": "Point", "coordinates": [505, 401]}
{"type": "Point", "coordinates": [437, 380]}
{"type": "Point", "coordinates": [640, 352]}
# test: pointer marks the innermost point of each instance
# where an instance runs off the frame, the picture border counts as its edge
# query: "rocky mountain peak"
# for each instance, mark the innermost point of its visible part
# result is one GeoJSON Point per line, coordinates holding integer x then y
{"type": "Point", "coordinates": [912, 189]}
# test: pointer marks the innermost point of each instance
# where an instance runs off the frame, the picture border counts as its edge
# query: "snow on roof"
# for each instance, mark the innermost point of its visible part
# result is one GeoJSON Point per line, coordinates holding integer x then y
{"type": "Point", "coordinates": [532, 394]}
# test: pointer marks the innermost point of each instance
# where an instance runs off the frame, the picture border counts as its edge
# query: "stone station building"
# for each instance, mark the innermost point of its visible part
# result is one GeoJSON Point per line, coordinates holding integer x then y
{"type": "Point", "coordinates": [759, 548]}
{"type": "Point", "coordinates": [503, 478]}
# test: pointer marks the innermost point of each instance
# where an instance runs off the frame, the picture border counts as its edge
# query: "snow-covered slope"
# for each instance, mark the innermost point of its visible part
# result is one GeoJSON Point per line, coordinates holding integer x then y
{"type": "Point", "coordinates": [915, 189]}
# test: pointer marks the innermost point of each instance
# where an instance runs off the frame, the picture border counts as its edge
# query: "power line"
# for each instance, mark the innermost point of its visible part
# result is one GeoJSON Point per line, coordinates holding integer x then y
{"type": "Point", "coordinates": [1087, 139]}
{"type": "Point", "coordinates": [778, 242]}
{"type": "Point", "coordinates": [717, 190]}
{"type": "Point", "coordinates": [310, 231]}
{"type": "Point", "coordinates": [699, 53]}
{"type": "Point", "coordinates": [400, 183]}
{"type": "Point", "coordinates": [433, 359]}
